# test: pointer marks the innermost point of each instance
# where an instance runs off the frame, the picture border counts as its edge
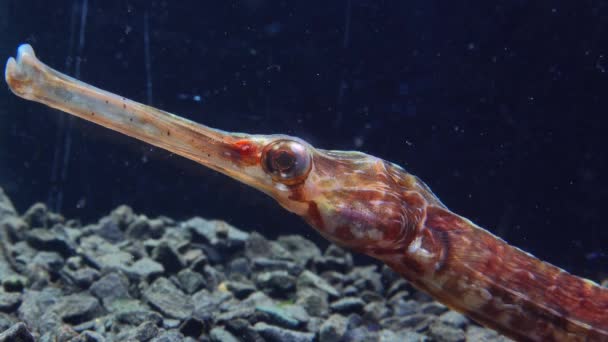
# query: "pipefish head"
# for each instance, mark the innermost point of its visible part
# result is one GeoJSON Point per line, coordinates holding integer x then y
{"type": "Point", "coordinates": [351, 198]}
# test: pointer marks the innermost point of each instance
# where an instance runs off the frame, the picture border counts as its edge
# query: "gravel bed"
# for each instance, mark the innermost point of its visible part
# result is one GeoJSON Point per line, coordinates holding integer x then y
{"type": "Point", "coordinates": [129, 277]}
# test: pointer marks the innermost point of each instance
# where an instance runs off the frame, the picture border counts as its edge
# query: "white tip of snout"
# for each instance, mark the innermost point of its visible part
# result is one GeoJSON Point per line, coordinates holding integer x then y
{"type": "Point", "coordinates": [24, 49]}
{"type": "Point", "coordinates": [18, 71]}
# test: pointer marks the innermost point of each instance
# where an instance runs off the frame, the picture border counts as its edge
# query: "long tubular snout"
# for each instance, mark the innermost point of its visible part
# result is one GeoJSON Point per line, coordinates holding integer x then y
{"type": "Point", "coordinates": [31, 79]}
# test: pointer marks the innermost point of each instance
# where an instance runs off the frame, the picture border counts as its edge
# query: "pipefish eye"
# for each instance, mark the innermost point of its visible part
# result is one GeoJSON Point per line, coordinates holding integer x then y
{"type": "Point", "coordinates": [287, 161]}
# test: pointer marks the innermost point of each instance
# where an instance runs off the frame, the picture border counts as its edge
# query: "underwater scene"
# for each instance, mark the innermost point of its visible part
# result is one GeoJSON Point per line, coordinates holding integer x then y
{"type": "Point", "coordinates": [259, 170]}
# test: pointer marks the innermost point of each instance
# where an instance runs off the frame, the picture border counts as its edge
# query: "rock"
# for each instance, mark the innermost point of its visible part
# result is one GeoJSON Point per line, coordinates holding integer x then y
{"type": "Point", "coordinates": [82, 277]}
{"type": "Point", "coordinates": [13, 282]}
{"type": "Point", "coordinates": [277, 283]}
{"type": "Point", "coordinates": [309, 279]}
{"type": "Point", "coordinates": [445, 333]}
{"type": "Point", "coordinates": [334, 258]}
{"type": "Point", "coordinates": [239, 266]}
{"type": "Point", "coordinates": [219, 334]}
{"type": "Point", "coordinates": [277, 316]}
{"type": "Point", "coordinates": [88, 325]}
{"type": "Point", "coordinates": [123, 216]}
{"type": "Point", "coordinates": [199, 264]}
{"type": "Point", "coordinates": [296, 311]}
{"type": "Point", "coordinates": [371, 296]}
{"type": "Point", "coordinates": [49, 261]}
{"type": "Point", "coordinates": [206, 304]}
{"type": "Point", "coordinates": [416, 322]}
{"type": "Point", "coordinates": [74, 263]}
{"type": "Point", "coordinates": [258, 246]}
{"type": "Point", "coordinates": [361, 330]}
{"type": "Point", "coordinates": [403, 307]}
{"type": "Point", "coordinates": [433, 308]}
{"type": "Point", "coordinates": [314, 324]}
{"type": "Point", "coordinates": [177, 238]}
{"type": "Point", "coordinates": [17, 333]}
{"type": "Point", "coordinates": [168, 256]}
{"type": "Point", "coordinates": [195, 258]}
{"type": "Point", "coordinates": [278, 334]}
{"type": "Point", "coordinates": [211, 256]}
{"type": "Point", "coordinates": [36, 216]}
{"type": "Point", "coordinates": [399, 285]}
{"type": "Point", "coordinates": [366, 278]}
{"type": "Point", "coordinates": [8, 277]}
{"type": "Point", "coordinates": [266, 264]}
{"type": "Point", "coordinates": [6, 206]}
{"type": "Point", "coordinates": [347, 305]}
{"type": "Point", "coordinates": [212, 277]}
{"type": "Point", "coordinates": [422, 297]}
{"type": "Point", "coordinates": [6, 321]}
{"type": "Point", "coordinates": [169, 336]}
{"type": "Point", "coordinates": [89, 336]}
{"type": "Point", "coordinates": [103, 255]}
{"type": "Point", "coordinates": [133, 312]}
{"type": "Point", "coordinates": [144, 269]}
{"type": "Point", "coordinates": [238, 312]}
{"type": "Point", "coordinates": [107, 228]}
{"type": "Point", "coordinates": [240, 289]}
{"type": "Point", "coordinates": [355, 320]}
{"type": "Point", "coordinates": [375, 311]}
{"type": "Point", "coordinates": [144, 332]}
{"type": "Point", "coordinates": [22, 255]}
{"type": "Point", "coordinates": [454, 319]}
{"type": "Point", "coordinates": [401, 336]}
{"type": "Point", "coordinates": [314, 301]}
{"type": "Point", "coordinates": [12, 228]}
{"type": "Point", "coordinates": [142, 227]}
{"type": "Point", "coordinates": [59, 334]}
{"type": "Point", "coordinates": [479, 334]}
{"type": "Point", "coordinates": [333, 329]}
{"type": "Point", "coordinates": [35, 303]}
{"type": "Point", "coordinates": [241, 328]}
{"type": "Point", "coordinates": [219, 234]}
{"type": "Point", "coordinates": [55, 239]}
{"type": "Point", "coordinates": [350, 291]}
{"type": "Point", "coordinates": [361, 334]}
{"type": "Point", "coordinates": [193, 327]}
{"type": "Point", "coordinates": [51, 322]}
{"type": "Point", "coordinates": [9, 301]}
{"type": "Point", "coordinates": [387, 336]}
{"type": "Point", "coordinates": [302, 250]}
{"type": "Point", "coordinates": [76, 308]}
{"type": "Point", "coordinates": [169, 323]}
{"type": "Point", "coordinates": [111, 287]}
{"type": "Point", "coordinates": [168, 299]}
{"type": "Point", "coordinates": [190, 281]}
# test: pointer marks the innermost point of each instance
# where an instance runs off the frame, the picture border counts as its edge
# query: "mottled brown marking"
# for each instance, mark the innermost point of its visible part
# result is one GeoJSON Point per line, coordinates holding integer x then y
{"type": "Point", "coordinates": [296, 193]}
{"type": "Point", "coordinates": [521, 282]}
{"type": "Point", "coordinates": [314, 217]}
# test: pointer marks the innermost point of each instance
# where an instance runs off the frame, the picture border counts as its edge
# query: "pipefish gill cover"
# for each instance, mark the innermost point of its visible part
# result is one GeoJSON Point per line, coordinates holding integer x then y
{"type": "Point", "coordinates": [495, 107]}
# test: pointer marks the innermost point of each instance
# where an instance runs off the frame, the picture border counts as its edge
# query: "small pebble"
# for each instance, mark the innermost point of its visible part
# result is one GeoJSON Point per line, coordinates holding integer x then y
{"type": "Point", "coordinates": [17, 333]}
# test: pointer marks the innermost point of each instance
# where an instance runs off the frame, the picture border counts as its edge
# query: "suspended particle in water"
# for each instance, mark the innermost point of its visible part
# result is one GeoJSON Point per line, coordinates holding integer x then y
{"type": "Point", "coordinates": [82, 202]}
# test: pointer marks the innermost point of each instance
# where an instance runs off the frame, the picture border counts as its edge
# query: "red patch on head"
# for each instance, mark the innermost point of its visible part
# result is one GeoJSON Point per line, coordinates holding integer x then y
{"type": "Point", "coordinates": [247, 152]}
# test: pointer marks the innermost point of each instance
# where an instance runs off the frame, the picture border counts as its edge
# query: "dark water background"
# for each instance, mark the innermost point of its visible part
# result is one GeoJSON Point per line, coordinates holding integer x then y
{"type": "Point", "coordinates": [500, 106]}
